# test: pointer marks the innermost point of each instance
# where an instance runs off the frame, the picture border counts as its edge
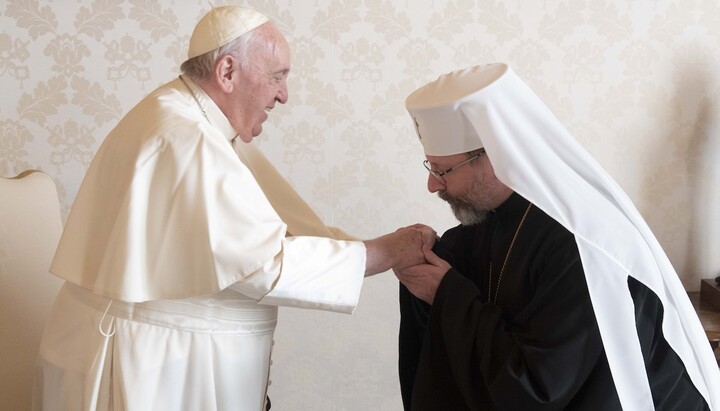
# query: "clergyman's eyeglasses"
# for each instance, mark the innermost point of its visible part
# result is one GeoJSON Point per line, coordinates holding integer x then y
{"type": "Point", "coordinates": [440, 174]}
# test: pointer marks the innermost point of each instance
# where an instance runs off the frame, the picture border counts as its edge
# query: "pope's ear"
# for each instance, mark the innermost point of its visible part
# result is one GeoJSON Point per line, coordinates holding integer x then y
{"type": "Point", "coordinates": [225, 70]}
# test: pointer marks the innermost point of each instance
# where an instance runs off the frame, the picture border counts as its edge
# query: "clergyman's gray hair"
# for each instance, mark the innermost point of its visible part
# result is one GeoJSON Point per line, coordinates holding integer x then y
{"type": "Point", "coordinates": [475, 152]}
{"type": "Point", "coordinates": [201, 67]}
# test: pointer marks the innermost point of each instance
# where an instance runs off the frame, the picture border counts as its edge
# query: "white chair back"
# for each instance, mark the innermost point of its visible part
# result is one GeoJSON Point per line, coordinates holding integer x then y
{"type": "Point", "coordinates": [30, 227]}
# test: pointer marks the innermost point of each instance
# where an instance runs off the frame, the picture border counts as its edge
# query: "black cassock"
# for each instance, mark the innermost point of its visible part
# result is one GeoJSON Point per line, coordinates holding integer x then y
{"type": "Point", "coordinates": [538, 347]}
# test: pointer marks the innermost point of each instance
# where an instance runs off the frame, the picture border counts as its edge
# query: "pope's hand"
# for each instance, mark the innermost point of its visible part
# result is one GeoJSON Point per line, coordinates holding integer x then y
{"type": "Point", "coordinates": [428, 234]}
{"type": "Point", "coordinates": [400, 249]}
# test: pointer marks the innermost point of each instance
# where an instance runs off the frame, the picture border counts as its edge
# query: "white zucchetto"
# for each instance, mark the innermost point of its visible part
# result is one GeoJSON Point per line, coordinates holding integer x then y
{"type": "Point", "coordinates": [220, 26]}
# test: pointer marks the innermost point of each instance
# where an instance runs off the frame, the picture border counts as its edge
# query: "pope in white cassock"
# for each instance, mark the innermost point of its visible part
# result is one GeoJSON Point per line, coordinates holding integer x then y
{"type": "Point", "coordinates": [184, 239]}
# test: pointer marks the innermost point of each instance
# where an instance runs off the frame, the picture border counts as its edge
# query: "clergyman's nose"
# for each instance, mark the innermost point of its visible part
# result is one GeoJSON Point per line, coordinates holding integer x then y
{"type": "Point", "coordinates": [433, 184]}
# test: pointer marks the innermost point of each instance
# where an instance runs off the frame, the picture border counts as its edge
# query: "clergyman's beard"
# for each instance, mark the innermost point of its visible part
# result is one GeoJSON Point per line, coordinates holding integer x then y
{"type": "Point", "coordinates": [464, 208]}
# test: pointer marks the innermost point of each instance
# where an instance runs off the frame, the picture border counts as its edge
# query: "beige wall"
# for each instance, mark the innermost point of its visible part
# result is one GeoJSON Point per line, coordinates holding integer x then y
{"type": "Point", "coordinates": [634, 81]}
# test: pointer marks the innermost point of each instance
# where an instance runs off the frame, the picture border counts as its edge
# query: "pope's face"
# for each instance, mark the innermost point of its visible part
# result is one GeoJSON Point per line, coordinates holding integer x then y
{"type": "Point", "coordinates": [261, 84]}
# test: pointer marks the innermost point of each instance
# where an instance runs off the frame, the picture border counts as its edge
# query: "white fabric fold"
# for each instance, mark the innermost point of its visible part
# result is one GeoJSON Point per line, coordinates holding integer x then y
{"type": "Point", "coordinates": [204, 353]}
{"type": "Point", "coordinates": [304, 284]}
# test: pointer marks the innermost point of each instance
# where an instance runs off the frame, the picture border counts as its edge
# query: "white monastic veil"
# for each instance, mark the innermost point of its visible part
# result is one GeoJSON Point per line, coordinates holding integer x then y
{"type": "Point", "coordinates": [532, 153]}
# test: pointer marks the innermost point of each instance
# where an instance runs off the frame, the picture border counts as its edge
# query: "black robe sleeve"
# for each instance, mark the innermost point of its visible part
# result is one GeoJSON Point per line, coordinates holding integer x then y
{"type": "Point", "coordinates": [414, 315]}
{"type": "Point", "coordinates": [670, 383]}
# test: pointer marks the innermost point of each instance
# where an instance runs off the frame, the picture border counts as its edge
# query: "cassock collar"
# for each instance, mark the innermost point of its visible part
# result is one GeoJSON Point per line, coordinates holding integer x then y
{"type": "Point", "coordinates": [512, 209]}
{"type": "Point", "coordinates": [214, 115]}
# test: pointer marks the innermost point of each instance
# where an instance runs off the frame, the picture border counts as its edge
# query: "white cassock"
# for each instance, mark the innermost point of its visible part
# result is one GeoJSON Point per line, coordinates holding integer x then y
{"type": "Point", "coordinates": [176, 254]}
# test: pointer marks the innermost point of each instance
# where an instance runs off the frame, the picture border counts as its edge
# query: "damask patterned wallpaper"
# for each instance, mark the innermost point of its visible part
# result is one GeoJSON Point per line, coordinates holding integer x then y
{"type": "Point", "coordinates": [636, 82]}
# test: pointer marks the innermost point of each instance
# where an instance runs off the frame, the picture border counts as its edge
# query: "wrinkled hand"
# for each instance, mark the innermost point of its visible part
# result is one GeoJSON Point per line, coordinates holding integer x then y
{"type": "Point", "coordinates": [408, 250]}
{"type": "Point", "coordinates": [423, 279]}
{"type": "Point", "coordinates": [399, 249]}
{"type": "Point", "coordinates": [429, 235]}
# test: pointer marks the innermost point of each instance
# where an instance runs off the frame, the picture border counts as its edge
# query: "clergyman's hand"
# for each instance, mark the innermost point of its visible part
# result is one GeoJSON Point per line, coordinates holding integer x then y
{"type": "Point", "coordinates": [423, 279]}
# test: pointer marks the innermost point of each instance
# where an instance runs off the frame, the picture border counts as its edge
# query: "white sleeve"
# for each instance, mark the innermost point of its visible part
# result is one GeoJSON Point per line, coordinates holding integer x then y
{"type": "Point", "coordinates": [310, 272]}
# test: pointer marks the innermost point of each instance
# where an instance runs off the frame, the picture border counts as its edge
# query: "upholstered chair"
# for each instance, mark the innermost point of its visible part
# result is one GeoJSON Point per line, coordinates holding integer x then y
{"type": "Point", "coordinates": [30, 227]}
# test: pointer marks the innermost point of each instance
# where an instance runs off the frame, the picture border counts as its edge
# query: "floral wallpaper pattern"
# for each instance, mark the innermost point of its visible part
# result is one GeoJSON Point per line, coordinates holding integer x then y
{"type": "Point", "coordinates": [637, 83]}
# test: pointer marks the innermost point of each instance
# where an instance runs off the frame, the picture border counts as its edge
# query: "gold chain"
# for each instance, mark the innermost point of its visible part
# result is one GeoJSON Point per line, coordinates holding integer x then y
{"type": "Point", "coordinates": [502, 270]}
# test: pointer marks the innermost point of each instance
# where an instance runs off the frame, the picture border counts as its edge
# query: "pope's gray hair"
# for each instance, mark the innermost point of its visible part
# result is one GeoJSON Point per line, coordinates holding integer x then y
{"type": "Point", "coordinates": [201, 67]}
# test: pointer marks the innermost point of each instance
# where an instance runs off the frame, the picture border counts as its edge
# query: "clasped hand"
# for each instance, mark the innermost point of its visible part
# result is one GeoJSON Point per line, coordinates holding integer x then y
{"type": "Point", "coordinates": [409, 243]}
{"type": "Point", "coordinates": [400, 249]}
{"type": "Point", "coordinates": [423, 279]}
